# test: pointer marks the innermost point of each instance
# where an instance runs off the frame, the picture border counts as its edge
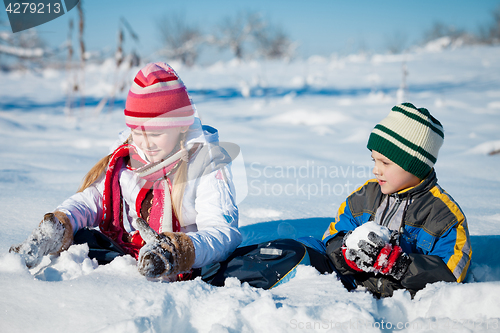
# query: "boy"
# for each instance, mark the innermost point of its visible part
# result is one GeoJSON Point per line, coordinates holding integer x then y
{"type": "Point", "coordinates": [401, 230]}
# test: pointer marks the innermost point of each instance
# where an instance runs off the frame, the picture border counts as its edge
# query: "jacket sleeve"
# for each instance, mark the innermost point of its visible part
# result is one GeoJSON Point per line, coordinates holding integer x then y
{"type": "Point", "coordinates": [344, 222]}
{"type": "Point", "coordinates": [358, 208]}
{"type": "Point", "coordinates": [454, 249]}
{"type": "Point", "coordinates": [425, 269]}
{"type": "Point", "coordinates": [448, 260]}
{"type": "Point", "coordinates": [334, 252]}
{"type": "Point", "coordinates": [84, 209]}
{"type": "Point", "coordinates": [217, 234]}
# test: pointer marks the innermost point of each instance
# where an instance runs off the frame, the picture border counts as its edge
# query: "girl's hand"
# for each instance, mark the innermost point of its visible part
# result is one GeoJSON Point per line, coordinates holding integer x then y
{"type": "Point", "coordinates": [53, 235]}
{"type": "Point", "coordinates": [165, 255]}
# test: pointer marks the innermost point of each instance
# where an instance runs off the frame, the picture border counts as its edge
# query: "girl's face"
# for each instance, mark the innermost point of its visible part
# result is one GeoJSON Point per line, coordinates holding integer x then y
{"type": "Point", "coordinates": [391, 177]}
{"type": "Point", "coordinates": [157, 144]}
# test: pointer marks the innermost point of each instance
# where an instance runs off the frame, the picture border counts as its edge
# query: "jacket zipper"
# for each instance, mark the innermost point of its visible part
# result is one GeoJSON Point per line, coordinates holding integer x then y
{"type": "Point", "coordinates": [393, 211]}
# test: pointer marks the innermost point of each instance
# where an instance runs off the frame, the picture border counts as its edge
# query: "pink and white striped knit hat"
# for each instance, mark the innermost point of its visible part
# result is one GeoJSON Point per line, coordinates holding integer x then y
{"type": "Point", "coordinates": [158, 100]}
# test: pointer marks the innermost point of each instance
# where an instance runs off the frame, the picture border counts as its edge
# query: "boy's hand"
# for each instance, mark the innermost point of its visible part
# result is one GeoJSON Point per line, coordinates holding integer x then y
{"type": "Point", "coordinates": [374, 254]}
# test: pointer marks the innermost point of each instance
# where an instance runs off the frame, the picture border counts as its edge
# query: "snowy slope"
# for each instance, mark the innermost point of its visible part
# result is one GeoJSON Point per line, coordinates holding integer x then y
{"type": "Point", "coordinates": [302, 128]}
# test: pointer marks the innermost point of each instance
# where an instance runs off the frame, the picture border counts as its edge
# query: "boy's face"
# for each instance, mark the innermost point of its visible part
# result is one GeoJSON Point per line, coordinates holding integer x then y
{"type": "Point", "coordinates": [391, 177]}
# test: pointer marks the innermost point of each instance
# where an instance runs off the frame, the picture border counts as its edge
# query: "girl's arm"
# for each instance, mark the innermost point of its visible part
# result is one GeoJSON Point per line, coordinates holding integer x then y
{"type": "Point", "coordinates": [84, 209]}
{"type": "Point", "coordinates": [217, 219]}
{"type": "Point", "coordinates": [210, 203]}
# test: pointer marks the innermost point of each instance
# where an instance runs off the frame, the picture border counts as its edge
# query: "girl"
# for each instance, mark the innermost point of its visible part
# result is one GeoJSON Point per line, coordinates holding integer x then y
{"type": "Point", "coordinates": [165, 196]}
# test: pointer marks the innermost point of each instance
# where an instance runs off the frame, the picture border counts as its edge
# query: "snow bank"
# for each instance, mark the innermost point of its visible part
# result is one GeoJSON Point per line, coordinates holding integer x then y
{"type": "Point", "coordinates": [302, 128]}
{"type": "Point", "coordinates": [308, 118]}
{"type": "Point", "coordinates": [489, 147]}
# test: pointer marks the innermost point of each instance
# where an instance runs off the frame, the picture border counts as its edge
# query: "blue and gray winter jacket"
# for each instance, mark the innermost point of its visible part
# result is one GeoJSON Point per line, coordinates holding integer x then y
{"type": "Point", "coordinates": [433, 231]}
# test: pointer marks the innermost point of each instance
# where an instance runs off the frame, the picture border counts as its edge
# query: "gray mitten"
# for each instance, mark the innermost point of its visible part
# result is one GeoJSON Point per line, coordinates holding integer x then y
{"type": "Point", "coordinates": [164, 255]}
{"type": "Point", "coordinates": [53, 235]}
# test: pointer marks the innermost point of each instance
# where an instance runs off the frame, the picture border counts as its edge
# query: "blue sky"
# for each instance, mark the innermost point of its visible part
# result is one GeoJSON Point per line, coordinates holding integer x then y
{"type": "Point", "coordinates": [319, 26]}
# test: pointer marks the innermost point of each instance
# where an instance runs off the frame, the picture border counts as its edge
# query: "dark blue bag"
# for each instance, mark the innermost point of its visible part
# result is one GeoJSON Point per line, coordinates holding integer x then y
{"type": "Point", "coordinates": [269, 264]}
{"type": "Point", "coordinates": [101, 247]}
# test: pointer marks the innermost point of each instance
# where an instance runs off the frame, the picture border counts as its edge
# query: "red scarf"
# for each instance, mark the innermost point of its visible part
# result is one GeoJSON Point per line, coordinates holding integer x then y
{"type": "Point", "coordinates": [156, 178]}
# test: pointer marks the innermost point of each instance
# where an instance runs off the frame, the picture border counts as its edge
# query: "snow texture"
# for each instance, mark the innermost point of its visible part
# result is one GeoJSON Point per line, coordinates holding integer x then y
{"type": "Point", "coordinates": [302, 127]}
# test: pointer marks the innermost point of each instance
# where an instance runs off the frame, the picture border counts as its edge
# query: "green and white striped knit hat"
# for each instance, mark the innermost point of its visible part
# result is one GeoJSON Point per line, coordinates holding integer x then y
{"type": "Point", "coordinates": [409, 137]}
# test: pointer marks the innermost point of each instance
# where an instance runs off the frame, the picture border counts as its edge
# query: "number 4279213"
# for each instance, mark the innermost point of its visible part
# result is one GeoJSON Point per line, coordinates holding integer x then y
{"type": "Point", "coordinates": [33, 8]}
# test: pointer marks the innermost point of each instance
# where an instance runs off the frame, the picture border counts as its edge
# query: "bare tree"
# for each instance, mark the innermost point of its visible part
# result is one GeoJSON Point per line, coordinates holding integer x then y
{"type": "Point", "coordinates": [396, 43]}
{"type": "Point", "coordinates": [75, 73]}
{"type": "Point", "coordinates": [81, 41]}
{"type": "Point", "coordinates": [495, 27]}
{"type": "Point", "coordinates": [25, 49]}
{"type": "Point", "coordinates": [490, 34]}
{"type": "Point", "coordinates": [439, 30]}
{"type": "Point", "coordinates": [71, 77]}
{"type": "Point", "coordinates": [274, 43]}
{"type": "Point", "coordinates": [248, 33]}
{"type": "Point", "coordinates": [124, 64]}
{"type": "Point", "coordinates": [22, 49]}
{"type": "Point", "coordinates": [182, 41]}
{"type": "Point", "coordinates": [81, 28]}
{"type": "Point", "coordinates": [237, 33]}
{"type": "Point", "coordinates": [26, 44]}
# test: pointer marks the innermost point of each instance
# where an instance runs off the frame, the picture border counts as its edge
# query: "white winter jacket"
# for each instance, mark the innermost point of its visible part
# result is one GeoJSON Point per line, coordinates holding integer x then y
{"type": "Point", "coordinates": [209, 211]}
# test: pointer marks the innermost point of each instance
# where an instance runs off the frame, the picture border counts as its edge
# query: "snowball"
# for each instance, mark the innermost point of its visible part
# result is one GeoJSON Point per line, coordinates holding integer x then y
{"type": "Point", "coordinates": [362, 232]}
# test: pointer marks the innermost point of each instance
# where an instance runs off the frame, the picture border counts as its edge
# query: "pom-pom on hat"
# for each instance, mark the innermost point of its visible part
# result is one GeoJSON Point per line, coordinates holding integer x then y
{"type": "Point", "coordinates": [409, 137]}
{"type": "Point", "coordinates": [158, 100]}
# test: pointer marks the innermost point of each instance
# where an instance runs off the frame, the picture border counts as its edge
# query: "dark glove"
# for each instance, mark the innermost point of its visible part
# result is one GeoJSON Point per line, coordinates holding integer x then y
{"type": "Point", "coordinates": [165, 255]}
{"type": "Point", "coordinates": [53, 235]}
{"type": "Point", "coordinates": [374, 254]}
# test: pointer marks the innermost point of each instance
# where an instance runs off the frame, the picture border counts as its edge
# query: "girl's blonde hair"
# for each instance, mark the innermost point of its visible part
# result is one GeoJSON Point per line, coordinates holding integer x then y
{"type": "Point", "coordinates": [178, 185]}
{"type": "Point", "coordinates": [94, 173]}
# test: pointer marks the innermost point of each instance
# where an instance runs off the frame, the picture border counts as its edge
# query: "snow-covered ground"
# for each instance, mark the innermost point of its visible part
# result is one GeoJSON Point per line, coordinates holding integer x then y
{"type": "Point", "coordinates": [302, 128]}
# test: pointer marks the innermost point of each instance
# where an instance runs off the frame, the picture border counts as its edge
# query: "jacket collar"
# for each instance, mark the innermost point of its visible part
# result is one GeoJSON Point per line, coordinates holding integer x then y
{"type": "Point", "coordinates": [425, 185]}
